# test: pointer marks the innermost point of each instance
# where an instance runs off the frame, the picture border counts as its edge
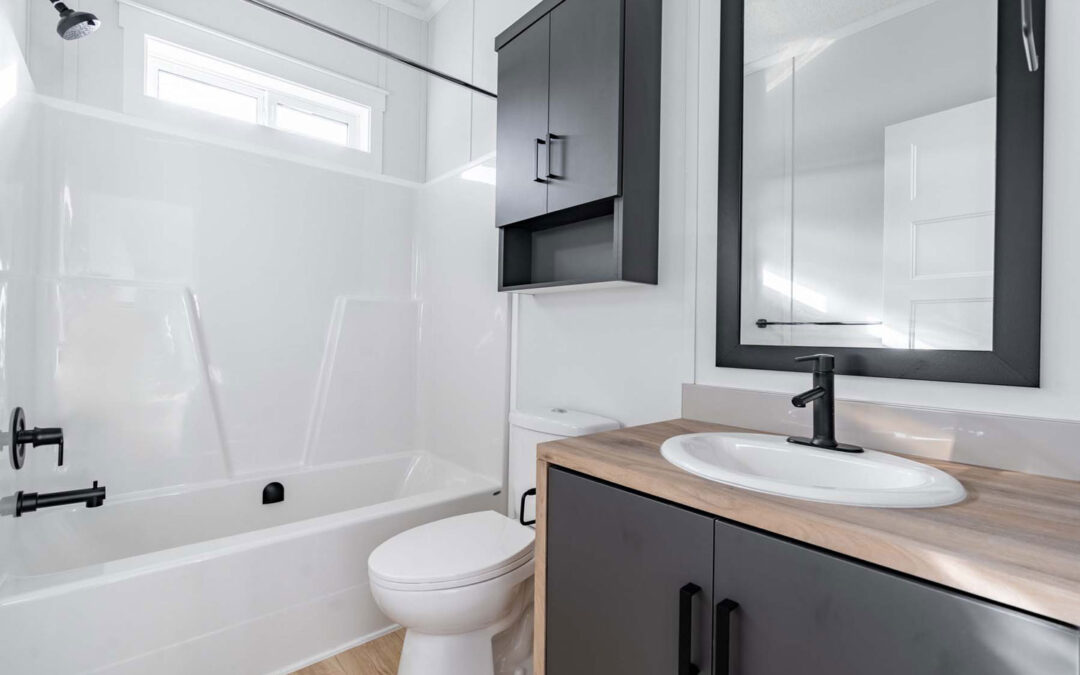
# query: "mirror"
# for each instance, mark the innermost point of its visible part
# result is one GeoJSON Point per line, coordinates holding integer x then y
{"type": "Point", "coordinates": [871, 150]}
{"type": "Point", "coordinates": [868, 173]}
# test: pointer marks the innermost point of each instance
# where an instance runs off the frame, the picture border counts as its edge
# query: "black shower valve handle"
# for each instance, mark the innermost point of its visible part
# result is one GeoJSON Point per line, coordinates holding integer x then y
{"type": "Point", "coordinates": [38, 437]}
{"type": "Point", "coordinates": [19, 437]}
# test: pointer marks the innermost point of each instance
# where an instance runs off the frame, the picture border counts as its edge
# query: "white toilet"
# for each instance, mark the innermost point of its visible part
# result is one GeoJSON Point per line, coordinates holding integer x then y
{"type": "Point", "coordinates": [462, 587]}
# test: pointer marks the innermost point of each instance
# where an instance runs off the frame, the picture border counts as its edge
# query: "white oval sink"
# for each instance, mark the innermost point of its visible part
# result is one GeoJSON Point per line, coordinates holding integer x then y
{"type": "Point", "coordinates": [767, 463]}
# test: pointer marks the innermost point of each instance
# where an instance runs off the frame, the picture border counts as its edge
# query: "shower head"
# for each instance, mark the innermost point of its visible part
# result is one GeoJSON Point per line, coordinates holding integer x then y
{"type": "Point", "coordinates": [74, 25]}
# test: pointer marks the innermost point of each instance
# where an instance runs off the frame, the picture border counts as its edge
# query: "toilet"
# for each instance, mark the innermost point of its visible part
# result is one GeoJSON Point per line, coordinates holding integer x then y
{"type": "Point", "coordinates": [462, 587]}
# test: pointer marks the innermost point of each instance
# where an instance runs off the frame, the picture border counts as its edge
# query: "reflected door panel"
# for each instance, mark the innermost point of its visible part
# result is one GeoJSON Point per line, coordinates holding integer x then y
{"type": "Point", "coordinates": [939, 230]}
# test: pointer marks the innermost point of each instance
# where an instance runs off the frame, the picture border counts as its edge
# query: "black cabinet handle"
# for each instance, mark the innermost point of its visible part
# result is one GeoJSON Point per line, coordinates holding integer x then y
{"type": "Point", "coordinates": [531, 492]}
{"type": "Point", "coordinates": [536, 161]}
{"type": "Point", "coordinates": [686, 625]}
{"type": "Point", "coordinates": [722, 640]}
{"type": "Point", "coordinates": [550, 144]}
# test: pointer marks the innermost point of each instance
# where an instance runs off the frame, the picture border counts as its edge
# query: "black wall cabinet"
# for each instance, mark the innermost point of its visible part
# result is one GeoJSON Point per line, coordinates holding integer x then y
{"type": "Point", "coordinates": [616, 562]}
{"type": "Point", "coordinates": [578, 146]}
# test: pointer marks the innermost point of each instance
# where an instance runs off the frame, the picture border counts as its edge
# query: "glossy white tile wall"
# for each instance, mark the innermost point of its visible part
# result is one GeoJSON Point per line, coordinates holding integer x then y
{"type": "Point", "coordinates": [190, 292]}
{"type": "Point", "coordinates": [464, 343]}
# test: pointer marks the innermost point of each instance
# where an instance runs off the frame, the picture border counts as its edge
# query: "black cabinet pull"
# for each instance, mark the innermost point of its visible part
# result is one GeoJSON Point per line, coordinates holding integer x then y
{"type": "Point", "coordinates": [722, 640]}
{"type": "Point", "coordinates": [536, 161]}
{"type": "Point", "coordinates": [686, 624]}
{"type": "Point", "coordinates": [550, 144]}
{"type": "Point", "coordinates": [531, 492]}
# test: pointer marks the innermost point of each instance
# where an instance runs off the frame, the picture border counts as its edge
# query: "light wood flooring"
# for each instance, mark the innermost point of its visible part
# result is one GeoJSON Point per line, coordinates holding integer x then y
{"type": "Point", "coordinates": [378, 657]}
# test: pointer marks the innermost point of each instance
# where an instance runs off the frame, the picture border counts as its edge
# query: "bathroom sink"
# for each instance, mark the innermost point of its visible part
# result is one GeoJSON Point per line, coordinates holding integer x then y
{"type": "Point", "coordinates": [766, 463]}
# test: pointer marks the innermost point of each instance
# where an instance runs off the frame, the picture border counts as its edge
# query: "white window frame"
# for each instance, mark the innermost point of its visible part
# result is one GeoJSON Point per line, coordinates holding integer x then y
{"type": "Point", "coordinates": [270, 76]}
{"type": "Point", "coordinates": [269, 91]}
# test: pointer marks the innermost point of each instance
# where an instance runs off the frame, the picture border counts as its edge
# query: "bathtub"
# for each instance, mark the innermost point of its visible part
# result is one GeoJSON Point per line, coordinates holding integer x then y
{"type": "Point", "coordinates": [210, 580]}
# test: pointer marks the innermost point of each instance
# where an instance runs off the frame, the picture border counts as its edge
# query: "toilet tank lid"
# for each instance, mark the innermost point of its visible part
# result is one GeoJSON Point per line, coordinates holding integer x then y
{"type": "Point", "coordinates": [561, 421]}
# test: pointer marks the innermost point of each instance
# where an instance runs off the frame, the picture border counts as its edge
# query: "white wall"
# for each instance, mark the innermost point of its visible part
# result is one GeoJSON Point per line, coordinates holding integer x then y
{"type": "Point", "coordinates": [624, 353]}
{"type": "Point", "coordinates": [461, 42]}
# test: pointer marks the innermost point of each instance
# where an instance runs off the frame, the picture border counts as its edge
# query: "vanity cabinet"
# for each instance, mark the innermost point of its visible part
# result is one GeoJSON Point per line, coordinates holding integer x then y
{"type": "Point", "coordinates": [618, 568]}
{"type": "Point", "coordinates": [578, 144]}
{"type": "Point", "coordinates": [617, 563]}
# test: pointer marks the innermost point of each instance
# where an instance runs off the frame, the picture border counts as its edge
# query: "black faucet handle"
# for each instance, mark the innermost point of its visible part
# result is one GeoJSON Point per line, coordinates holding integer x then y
{"type": "Point", "coordinates": [825, 363]}
{"type": "Point", "coordinates": [19, 437]}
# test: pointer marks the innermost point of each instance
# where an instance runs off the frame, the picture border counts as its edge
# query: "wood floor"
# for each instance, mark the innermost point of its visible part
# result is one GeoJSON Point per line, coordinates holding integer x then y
{"type": "Point", "coordinates": [379, 657]}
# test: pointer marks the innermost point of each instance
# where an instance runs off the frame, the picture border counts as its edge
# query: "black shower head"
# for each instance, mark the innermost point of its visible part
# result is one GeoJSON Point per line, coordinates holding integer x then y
{"type": "Point", "coordinates": [74, 25]}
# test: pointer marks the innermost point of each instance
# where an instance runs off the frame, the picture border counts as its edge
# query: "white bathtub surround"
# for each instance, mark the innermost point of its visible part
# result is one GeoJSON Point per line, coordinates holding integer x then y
{"type": "Point", "coordinates": [458, 584]}
{"type": "Point", "coordinates": [211, 580]}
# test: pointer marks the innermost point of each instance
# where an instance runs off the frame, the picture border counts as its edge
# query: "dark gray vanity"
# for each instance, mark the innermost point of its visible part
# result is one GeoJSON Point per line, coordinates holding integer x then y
{"type": "Point", "coordinates": [638, 586]}
{"type": "Point", "coordinates": [577, 196]}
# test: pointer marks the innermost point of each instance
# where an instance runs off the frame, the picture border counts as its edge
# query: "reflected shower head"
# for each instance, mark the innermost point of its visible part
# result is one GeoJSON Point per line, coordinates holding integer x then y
{"type": "Point", "coordinates": [74, 25]}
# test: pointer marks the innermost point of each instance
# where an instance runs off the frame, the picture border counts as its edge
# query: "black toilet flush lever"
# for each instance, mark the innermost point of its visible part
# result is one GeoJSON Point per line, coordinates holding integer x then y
{"type": "Point", "coordinates": [19, 437]}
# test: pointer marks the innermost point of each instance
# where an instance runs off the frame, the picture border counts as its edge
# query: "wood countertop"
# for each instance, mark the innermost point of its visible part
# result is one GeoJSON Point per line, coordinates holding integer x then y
{"type": "Point", "coordinates": [1014, 540]}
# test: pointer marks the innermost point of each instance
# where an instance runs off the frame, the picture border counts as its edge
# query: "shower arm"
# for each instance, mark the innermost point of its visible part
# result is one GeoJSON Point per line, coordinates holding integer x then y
{"type": "Point", "coordinates": [363, 44]}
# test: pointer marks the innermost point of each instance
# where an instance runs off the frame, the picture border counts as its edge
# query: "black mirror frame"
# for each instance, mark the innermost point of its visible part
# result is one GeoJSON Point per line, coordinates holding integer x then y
{"type": "Point", "coordinates": [1015, 359]}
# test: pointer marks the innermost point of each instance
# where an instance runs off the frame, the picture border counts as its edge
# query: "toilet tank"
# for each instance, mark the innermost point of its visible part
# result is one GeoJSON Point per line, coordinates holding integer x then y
{"type": "Point", "coordinates": [528, 427]}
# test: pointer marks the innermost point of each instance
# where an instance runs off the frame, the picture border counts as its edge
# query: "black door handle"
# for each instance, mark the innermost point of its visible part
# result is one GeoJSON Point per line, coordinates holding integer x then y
{"type": "Point", "coordinates": [722, 639]}
{"type": "Point", "coordinates": [686, 628]}
{"type": "Point", "coordinates": [536, 161]}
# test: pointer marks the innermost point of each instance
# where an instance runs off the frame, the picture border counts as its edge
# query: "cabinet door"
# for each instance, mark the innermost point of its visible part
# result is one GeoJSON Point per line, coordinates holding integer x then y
{"type": "Point", "coordinates": [521, 189]}
{"type": "Point", "coordinates": [586, 103]}
{"type": "Point", "coordinates": [808, 612]}
{"type": "Point", "coordinates": [617, 564]}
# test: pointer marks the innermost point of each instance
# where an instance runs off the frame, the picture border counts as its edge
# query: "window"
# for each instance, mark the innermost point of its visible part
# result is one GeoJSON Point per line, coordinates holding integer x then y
{"type": "Point", "coordinates": [189, 78]}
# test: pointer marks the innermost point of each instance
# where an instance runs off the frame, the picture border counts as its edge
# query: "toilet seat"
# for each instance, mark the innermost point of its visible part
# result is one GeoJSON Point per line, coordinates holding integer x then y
{"type": "Point", "coordinates": [452, 553]}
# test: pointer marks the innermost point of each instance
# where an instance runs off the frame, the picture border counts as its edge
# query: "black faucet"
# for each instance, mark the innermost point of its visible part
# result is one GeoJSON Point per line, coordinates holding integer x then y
{"type": "Point", "coordinates": [824, 400]}
{"type": "Point", "coordinates": [28, 502]}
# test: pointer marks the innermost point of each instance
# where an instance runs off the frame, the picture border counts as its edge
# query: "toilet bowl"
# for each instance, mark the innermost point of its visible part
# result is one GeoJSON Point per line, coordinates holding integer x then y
{"type": "Point", "coordinates": [457, 585]}
{"type": "Point", "coordinates": [463, 587]}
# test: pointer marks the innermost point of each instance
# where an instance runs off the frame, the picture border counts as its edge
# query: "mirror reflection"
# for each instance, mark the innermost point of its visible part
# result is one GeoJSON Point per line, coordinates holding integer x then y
{"type": "Point", "coordinates": [869, 173]}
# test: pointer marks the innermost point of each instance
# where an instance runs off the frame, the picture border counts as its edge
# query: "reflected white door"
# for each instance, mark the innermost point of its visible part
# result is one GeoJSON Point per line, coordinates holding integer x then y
{"type": "Point", "coordinates": [939, 230]}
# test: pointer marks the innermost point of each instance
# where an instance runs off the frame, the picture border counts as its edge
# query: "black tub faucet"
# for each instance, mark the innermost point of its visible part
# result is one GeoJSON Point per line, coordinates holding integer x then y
{"type": "Point", "coordinates": [824, 400]}
{"type": "Point", "coordinates": [28, 502]}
